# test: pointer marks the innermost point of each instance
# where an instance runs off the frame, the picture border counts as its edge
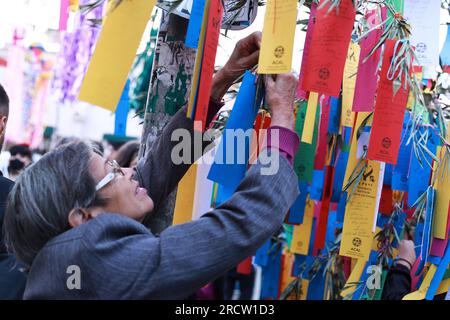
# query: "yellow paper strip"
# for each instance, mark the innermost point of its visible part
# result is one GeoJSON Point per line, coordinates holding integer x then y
{"type": "Point", "coordinates": [442, 198]}
{"type": "Point", "coordinates": [357, 235]}
{"type": "Point", "coordinates": [310, 118]}
{"type": "Point", "coordinates": [302, 233]}
{"type": "Point", "coordinates": [286, 276]}
{"type": "Point", "coordinates": [115, 52]}
{"type": "Point", "coordinates": [352, 160]}
{"type": "Point", "coordinates": [304, 290]}
{"type": "Point", "coordinates": [184, 204]}
{"type": "Point", "coordinates": [349, 84]}
{"type": "Point", "coordinates": [421, 293]}
{"type": "Point", "coordinates": [277, 41]}
{"type": "Point", "coordinates": [443, 287]}
{"type": "Point", "coordinates": [354, 277]}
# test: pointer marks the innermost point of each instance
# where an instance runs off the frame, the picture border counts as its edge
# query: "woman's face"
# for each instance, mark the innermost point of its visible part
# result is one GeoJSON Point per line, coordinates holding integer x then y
{"type": "Point", "coordinates": [124, 194]}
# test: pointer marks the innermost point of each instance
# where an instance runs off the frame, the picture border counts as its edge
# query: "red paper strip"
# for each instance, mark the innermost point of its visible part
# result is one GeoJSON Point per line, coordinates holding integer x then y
{"type": "Point", "coordinates": [366, 79]}
{"type": "Point", "coordinates": [329, 47]}
{"type": "Point", "coordinates": [209, 57]}
{"type": "Point", "coordinates": [245, 267]}
{"type": "Point", "coordinates": [321, 152]}
{"type": "Point", "coordinates": [388, 116]}
{"type": "Point", "coordinates": [386, 206]}
{"type": "Point", "coordinates": [322, 221]}
{"type": "Point", "coordinates": [347, 262]}
{"type": "Point", "coordinates": [309, 33]}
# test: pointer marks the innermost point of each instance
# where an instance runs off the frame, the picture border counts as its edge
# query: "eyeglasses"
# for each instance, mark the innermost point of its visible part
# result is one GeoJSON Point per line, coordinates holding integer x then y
{"type": "Point", "coordinates": [117, 170]}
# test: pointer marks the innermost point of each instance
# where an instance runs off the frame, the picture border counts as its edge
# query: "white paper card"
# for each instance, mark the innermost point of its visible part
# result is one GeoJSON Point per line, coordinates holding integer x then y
{"type": "Point", "coordinates": [423, 16]}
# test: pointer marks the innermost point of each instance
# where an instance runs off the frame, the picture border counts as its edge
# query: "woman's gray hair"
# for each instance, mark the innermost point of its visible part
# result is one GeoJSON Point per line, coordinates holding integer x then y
{"type": "Point", "coordinates": [43, 196]}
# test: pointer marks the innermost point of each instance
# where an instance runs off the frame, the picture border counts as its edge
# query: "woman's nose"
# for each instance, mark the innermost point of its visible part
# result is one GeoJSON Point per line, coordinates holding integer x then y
{"type": "Point", "coordinates": [128, 172]}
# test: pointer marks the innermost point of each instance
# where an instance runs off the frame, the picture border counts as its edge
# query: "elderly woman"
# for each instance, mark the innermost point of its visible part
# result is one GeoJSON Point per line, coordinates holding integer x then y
{"type": "Point", "coordinates": [79, 221]}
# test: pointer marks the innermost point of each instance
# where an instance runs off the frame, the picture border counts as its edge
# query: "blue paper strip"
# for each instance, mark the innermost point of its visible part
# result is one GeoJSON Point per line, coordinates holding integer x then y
{"type": "Point", "coordinates": [299, 260]}
{"type": "Point", "coordinates": [195, 24]}
{"type": "Point", "coordinates": [388, 174]}
{"type": "Point", "coordinates": [428, 223]}
{"type": "Point", "coordinates": [335, 116]}
{"type": "Point", "coordinates": [341, 207]}
{"type": "Point", "coordinates": [230, 173]}
{"type": "Point", "coordinates": [339, 175]}
{"type": "Point", "coordinates": [297, 212]}
{"type": "Point", "coordinates": [271, 276]}
{"type": "Point", "coordinates": [262, 254]}
{"type": "Point", "coordinates": [445, 54]}
{"type": "Point", "coordinates": [418, 236]}
{"type": "Point", "coordinates": [438, 275]}
{"type": "Point", "coordinates": [419, 177]}
{"type": "Point", "coordinates": [313, 237]}
{"type": "Point", "coordinates": [401, 170]}
{"type": "Point", "coordinates": [317, 185]}
{"type": "Point", "coordinates": [120, 127]}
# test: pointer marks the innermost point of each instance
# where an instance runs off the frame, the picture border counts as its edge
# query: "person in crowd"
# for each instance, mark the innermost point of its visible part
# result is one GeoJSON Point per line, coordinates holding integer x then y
{"type": "Point", "coordinates": [12, 280]}
{"type": "Point", "coordinates": [78, 220]}
{"type": "Point", "coordinates": [127, 156]}
{"type": "Point", "coordinates": [112, 144]}
{"type": "Point", "coordinates": [21, 157]}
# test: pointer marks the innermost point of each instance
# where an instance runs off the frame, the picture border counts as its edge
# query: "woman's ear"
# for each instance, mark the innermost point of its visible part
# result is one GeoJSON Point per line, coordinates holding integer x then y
{"type": "Point", "coordinates": [3, 121]}
{"type": "Point", "coordinates": [78, 217]}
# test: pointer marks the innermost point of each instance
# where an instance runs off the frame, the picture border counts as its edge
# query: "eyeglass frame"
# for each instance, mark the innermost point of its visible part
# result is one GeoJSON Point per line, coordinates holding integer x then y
{"type": "Point", "coordinates": [117, 170]}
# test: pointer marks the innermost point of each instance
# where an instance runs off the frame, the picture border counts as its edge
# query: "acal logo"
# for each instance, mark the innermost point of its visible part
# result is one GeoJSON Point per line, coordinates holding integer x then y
{"type": "Point", "coordinates": [421, 47]}
{"type": "Point", "coordinates": [324, 73]}
{"type": "Point", "coordinates": [386, 142]}
{"type": "Point", "coordinates": [357, 242]}
{"type": "Point", "coordinates": [279, 52]}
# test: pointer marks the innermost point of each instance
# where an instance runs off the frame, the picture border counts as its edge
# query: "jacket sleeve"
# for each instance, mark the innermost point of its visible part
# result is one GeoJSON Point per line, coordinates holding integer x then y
{"type": "Point", "coordinates": [397, 284]}
{"type": "Point", "coordinates": [186, 257]}
{"type": "Point", "coordinates": [157, 172]}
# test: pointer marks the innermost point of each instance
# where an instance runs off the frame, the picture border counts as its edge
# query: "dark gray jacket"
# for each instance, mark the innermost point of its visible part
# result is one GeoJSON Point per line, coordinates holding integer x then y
{"type": "Point", "coordinates": [119, 258]}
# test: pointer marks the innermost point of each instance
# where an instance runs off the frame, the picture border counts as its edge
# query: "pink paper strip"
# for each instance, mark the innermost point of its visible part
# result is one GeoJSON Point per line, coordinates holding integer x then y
{"type": "Point", "coordinates": [367, 77]}
{"type": "Point", "coordinates": [64, 15]}
{"type": "Point", "coordinates": [309, 33]}
{"type": "Point", "coordinates": [438, 246]}
{"type": "Point", "coordinates": [415, 279]}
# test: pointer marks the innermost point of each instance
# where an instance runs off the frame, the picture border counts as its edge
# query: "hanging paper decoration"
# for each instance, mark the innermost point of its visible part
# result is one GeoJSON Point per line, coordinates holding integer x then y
{"type": "Point", "coordinates": [278, 37]}
{"type": "Point", "coordinates": [389, 110]}
{"type": "Point", "coordinates": [329, 46]}
{"type": "Point", "coordinates": [366, 78]}
{"type": "Point", "coordinates": [76, 50]}
{"type": "Point", "coordinates": [64, 14]}
{"type": "Point", "coordinates": [309, 33]}
{"type": "Point", "coordinates": [115, 52]}
{"type": "Point", "coordinates": [120, 127]}
{"type": "Point", "coordinates": [208, 58]}
{"type": "Point", "coordinates": [423, 16]}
